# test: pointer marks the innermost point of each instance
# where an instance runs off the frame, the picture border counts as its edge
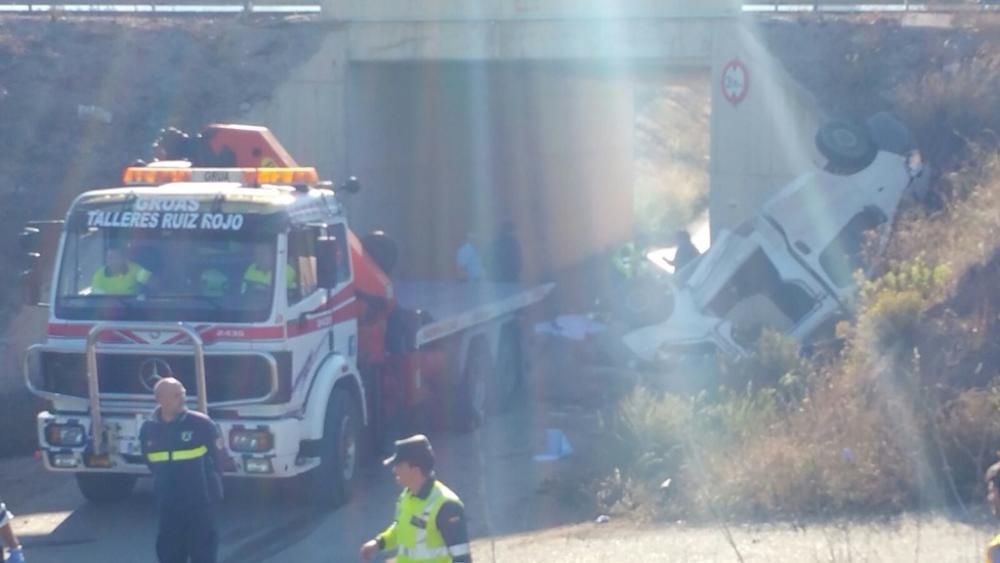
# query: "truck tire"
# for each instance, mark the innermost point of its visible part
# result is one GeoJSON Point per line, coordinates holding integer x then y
{"type": "Point", "coordinates": [105, 488]}
{"type": "Point", "coordinates": [335, 481]}
{"type": "Point", "coordinates": [643, 302]}
{"type": "Point", "coordinates": [473, 393]}
{"type": "Point", "coordinates": [509, 372]}
{"type": "Point", "coordinates": [847, 146]}
{"type": "Point", "coordinates": [889, 134]}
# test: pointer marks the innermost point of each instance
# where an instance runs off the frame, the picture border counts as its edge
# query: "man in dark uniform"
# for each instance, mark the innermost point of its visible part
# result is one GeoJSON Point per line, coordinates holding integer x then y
{"type": "Point", "coordinates": [686, 250]}
{"type": "Point", "coordinates": [430, 519]}
{"type": "Point", "coordinates": [185, 454]}
{"type": "Point", "coordinates": [507, 255]}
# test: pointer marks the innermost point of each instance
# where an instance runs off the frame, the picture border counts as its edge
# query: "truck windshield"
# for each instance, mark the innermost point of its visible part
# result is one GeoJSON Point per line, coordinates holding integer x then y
{"type": "Point", "coordinates": [167, 275]}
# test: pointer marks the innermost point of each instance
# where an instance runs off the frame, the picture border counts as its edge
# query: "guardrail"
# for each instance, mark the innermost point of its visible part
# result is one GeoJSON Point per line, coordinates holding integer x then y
{"type": "Point", "coordinates": [158, 9]}
{"type": "Point", "coordinates": [278, 7]}
{"type": "Point", "coordinates": [840, 6]}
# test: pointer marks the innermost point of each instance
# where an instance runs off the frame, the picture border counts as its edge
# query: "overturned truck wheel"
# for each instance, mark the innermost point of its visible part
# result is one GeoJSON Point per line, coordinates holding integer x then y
{"type": "Point", "coordinates": [848, 146]}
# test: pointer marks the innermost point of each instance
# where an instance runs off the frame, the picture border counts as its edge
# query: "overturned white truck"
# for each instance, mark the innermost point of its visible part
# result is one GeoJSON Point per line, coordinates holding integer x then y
{"type": "Point", "coordinates": [791, 266]}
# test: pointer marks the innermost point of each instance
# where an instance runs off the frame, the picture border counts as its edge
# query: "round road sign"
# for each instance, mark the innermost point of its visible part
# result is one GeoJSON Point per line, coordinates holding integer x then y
{"type": "Point", "coordinates": [735, 81]}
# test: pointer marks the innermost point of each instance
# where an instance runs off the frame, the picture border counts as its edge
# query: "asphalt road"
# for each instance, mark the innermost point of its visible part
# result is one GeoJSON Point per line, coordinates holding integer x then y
{"type": "Point", "coordinates": [494, 472]}
{"type": "Point", "coordinates": [491, 469]}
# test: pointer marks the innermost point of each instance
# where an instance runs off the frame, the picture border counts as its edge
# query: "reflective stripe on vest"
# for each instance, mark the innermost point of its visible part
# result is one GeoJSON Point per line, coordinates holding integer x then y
{"type": "Point", "coordinates": [422, 552]}
{"type": "Point", "coordinates": [177, 455]}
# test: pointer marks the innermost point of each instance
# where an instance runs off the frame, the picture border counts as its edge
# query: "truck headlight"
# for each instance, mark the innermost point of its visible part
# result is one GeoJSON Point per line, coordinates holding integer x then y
{"type": "Point", "coordinates": [65, 434]}
{"type": "Point", "coordinates": [244, 440]}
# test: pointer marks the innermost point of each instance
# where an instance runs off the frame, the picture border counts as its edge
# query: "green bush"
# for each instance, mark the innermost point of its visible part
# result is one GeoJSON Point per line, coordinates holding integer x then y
{"type": "Point", "coordinates": [892, 306]}
{"type": "Point", "coordinates": [774, 360]}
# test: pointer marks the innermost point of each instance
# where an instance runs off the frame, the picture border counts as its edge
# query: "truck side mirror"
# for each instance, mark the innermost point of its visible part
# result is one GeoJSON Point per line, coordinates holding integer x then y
{"type": "Point", "coordinates": [351, 186]}
{"type": "Point", "coordinates": [327, 249]}
{"type": "Point", "coordinates": [31, 286]}
{"type": "Point", "coordinates": [28, 240]}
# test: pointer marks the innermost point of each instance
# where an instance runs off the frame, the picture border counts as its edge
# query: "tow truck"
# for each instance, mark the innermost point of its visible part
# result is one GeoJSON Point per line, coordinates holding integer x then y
{"type": "Point", "coordinates": [331, 360]}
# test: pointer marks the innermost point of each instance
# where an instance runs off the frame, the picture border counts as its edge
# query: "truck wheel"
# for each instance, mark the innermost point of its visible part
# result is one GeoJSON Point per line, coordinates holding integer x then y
{"type": "Point", "coordinates": [105, 488]}
{"type": "Point", "coordinates": [643, 302]}
{"type": "Point", "coordinates": [382, 249]}
{"type": "Point", "coordinates": [336, 479]}
{"type": "Point", "coordinates": [847, 146]}
{"type": "Point", "coordinates": [473, 393]}
{"type": "Point", "coordinates": [509, 374]}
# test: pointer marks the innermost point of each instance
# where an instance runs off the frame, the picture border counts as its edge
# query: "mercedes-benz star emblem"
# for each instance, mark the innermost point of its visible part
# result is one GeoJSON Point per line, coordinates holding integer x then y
{"type": "Point", "coordinates": [153, 370]}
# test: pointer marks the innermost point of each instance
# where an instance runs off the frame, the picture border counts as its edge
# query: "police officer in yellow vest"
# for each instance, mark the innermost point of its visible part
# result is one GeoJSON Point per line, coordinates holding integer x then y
{"type": "Point", "coordinates": [430, 519]}
{"type": "Point", "coordinates": [118, 276]}
{"type": "Point", "coordinates": [258, 276]}
{"type": "Point", "coordinates": [993, 498]}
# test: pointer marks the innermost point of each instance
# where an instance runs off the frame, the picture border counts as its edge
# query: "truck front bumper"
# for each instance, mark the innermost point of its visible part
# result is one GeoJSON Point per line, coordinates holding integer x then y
{"type": "Point", "coordinates": [254, 448]}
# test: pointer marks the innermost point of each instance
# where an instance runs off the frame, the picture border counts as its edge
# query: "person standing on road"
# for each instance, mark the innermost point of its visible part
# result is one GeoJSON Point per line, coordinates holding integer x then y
{"type": "Point", "coordinates": [507, 255]}
{"type": "Point", "coordinates": [686, 250]}
{"type": "Point", "coordinates": [993, 498]}
{"type": "Point", "coordinates": [184, 452]}
{"type": "Point", "coordinates": [430, 519]}
{"type": "Point", "coordinates": [468, 260]}
{"type": "Point", "coordinates": [16, 554]}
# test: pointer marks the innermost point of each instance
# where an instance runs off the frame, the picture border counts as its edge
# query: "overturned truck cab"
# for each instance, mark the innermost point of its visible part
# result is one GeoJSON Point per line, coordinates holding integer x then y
{"type": "Point", "coordinates": [791, 267]}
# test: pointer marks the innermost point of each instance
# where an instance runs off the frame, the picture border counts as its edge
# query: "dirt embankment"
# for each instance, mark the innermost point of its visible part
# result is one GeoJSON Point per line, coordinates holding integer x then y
{"type": "Point", "coordinates": [81, 97]}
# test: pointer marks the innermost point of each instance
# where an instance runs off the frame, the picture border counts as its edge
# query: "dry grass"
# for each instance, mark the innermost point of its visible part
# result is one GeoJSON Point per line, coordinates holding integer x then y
{"type": "Point", "coordinates": [966, 230]}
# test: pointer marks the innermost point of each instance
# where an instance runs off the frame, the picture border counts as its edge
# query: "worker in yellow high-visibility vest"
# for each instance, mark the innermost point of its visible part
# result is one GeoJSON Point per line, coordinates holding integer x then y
{"type": "Point", "coordinates": [118, 276]}
{"type": "Point", "coordinates": [993, 498]}
{"type": "Point", "coordinates": [259, 275]}
{"type": "Point", "coordinates": [430, 519]}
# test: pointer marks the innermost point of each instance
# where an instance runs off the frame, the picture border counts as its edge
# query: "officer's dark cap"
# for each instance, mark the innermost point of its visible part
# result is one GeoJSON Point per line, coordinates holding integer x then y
{"type": "Point", "coordinates": [415, 450]}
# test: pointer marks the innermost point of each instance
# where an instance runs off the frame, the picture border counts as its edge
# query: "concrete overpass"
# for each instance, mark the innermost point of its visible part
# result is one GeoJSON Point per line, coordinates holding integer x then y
{"type": "Point", "coordinates": [455, 114]}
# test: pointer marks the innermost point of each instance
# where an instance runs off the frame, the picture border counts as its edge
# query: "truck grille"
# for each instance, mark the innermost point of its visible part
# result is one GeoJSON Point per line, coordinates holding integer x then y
{"type": "Point", "coordinates": [228, 377]}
